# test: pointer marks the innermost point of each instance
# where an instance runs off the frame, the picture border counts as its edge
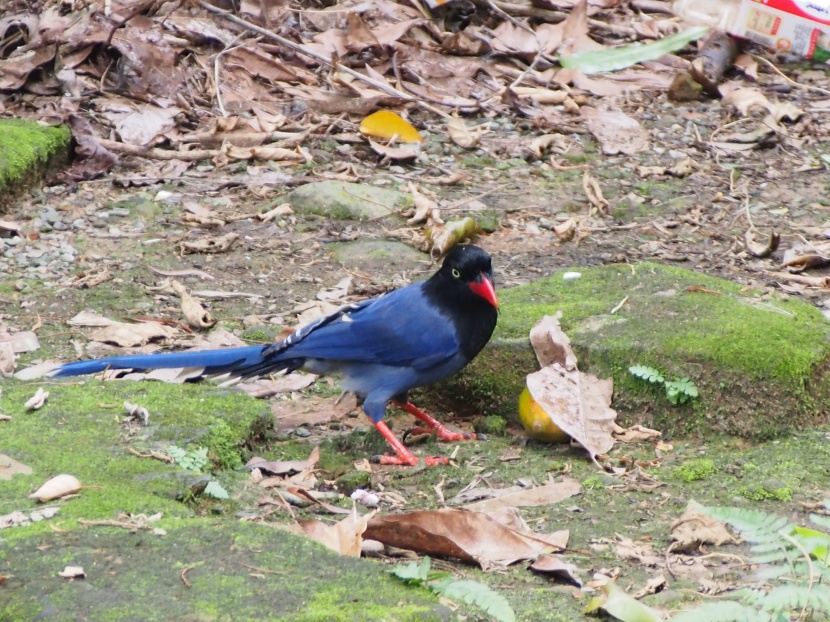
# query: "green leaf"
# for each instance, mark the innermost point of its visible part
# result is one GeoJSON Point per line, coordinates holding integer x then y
{"type": "Point", "coordinates": [413, 572]}
{"type": "Point", "coordinates": [649, 374]}
{"type": "Point", "coordinates": [613, 59]}
{"type": "Point", "coordinates": [478, 594]}
{"type": "Point", "coordinates": [616, 602]}
{"type": "Point", "coordinates": [216, 490]}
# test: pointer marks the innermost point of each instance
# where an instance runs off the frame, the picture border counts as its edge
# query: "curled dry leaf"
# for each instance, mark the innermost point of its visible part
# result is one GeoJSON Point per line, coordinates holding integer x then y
{"type": "Point", "coordinates": [280, 210]}
{"type": "Point", "coordinates": [762, 249]}
{"type": "Point", "coordinates": [594, 193]}
{"type": "Point", "coordinates": [57, 487]}
{"type": "Point", "coordinates": [37, 401]}
{"type": "Point", "coordinates": [344, 537]}
{"type": "Point", "coordinates": [195, 314]}
{"type": "Point", "coordinates": [578, 403]}
{"type": "Point", "coordinates": [72, 572]}
{"type": "Point", "coordinates": [425, 206]}
{"type": "Point", "coordinates": [556, 143]}
{"type": "Point", "coordinates": [137, 411]}
{"type": "Point", "coordinates": [566, 230]}
{"type": "Point", "coordinates": [695, 528]}
{"type": "Point", "coordinates": [210, 245]}
{"type": "Point", "coordinates": [530, 497]}
{"type": "Point", "coordinates": [807, 255]}
{"type": "Point", "coordinates": [550, 564]}
{"type": "Point", "coordinates": [404, 152]}
{"type": "Point", "coordinates": [464, 136]}
{"type": "Point", "coordinates": [285, 466]}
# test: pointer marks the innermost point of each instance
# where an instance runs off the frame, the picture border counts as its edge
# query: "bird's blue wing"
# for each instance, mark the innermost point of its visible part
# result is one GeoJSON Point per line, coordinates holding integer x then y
{"type": "Point", "coordinates": [400, 329]}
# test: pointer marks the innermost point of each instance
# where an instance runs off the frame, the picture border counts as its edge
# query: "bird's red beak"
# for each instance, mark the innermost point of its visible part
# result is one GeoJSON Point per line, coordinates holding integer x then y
{"type": "Point", "coordinates": [483, 286]}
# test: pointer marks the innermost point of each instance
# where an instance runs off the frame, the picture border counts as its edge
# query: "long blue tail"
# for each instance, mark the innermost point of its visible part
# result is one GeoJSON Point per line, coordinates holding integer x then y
{"type": "Point", "coordinates": [242, 362]}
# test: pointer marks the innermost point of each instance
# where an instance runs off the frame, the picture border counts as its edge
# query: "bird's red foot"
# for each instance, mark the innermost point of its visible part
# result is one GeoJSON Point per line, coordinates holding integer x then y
{"type": "Point", "coordinates": [433, 425]}
{"type": "Point", "coordinates": [404, 457]}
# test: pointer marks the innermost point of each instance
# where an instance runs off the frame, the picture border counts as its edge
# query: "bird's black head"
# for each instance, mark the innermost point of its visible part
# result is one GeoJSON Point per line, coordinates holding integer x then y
{"type": "Point", "coordinates": [463, 290]}
{"type": "Point", "coordinates": [466, 269]}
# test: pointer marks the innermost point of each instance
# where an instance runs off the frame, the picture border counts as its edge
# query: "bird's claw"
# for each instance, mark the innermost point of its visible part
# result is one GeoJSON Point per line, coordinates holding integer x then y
{"type": "Point", "coordinates": [400, 461]}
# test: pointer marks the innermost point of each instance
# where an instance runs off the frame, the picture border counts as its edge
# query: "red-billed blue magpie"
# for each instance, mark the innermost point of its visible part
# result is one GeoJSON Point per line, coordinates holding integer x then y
{"type": "Point", "coordinates": [381, 347]}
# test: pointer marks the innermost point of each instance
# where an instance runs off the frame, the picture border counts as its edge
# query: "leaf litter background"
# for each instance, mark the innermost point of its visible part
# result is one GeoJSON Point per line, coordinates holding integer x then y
{"type": "Point", "coordinates": [581, 169]}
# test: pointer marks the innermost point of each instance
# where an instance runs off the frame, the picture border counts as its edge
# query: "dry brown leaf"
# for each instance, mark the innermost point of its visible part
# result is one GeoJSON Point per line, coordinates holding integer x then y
{"type": "Point", "coordinates": [641, 553]}
{"type": "Point", "coordinates": [550, 564]}
{"type": "Point", "coordinates": [37, 401]}
{"type": "Point", "coordinates": [57, 487]}
{"type": "Point", "coordinates": [210, 245]}
{"type": "Point", "coordinates": [402, 152]}
{"type": "Point", "coordinates": [744, 100]}
{"type": "Point", "coordinates": [132, 335]}
{"type": "Point", "coordinates": [566, 230]}
{"type": "Point", "coordinates": [762, 249]}
{"type": "Point", "coordinates": [464, 136]}
{"type": "Point", "coordinates": [530, 497]}
{"type": "Point", "coordinates": [615, 131]}
{"type": "Point", "coordinates": [8, 359]}
{"type": "Point", "coordinates": [652, 586]}
{"type": "Point", "coordinates": [281, 467]}
{"type": "Point", "coordinates": [695, 527]}
{"type": "Point", "coordinates": [594, 193]}
{"type": "Point", "coordinates": [195, 314]}
{"type": "Point", "coordinates": [9, 467]}
{"type": "Point", "coordinates": [807, 255]}
{"type": "Point", "coordinates": [275, 385]}
{"type": "Point", "coordinates": [72, 572]}
{"type": "Point", "coordinates": [344, 537]}
{"type": "Point", "coordinates": [469, 536]}
{"type": "Point", "coordinates": [425, 206]}
{"type": "Point", "coordinates": [576, 402]}
{"type": "Point", "coordinates": [24, 341]}
{"type": "Point", "coordinates": [637, 433]}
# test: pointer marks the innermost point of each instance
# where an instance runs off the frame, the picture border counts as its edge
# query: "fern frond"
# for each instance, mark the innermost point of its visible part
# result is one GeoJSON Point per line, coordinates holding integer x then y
{"type": "Point", "coordinates": [755, 526]}
{"type": "Point", "coordinates": [786, 598]}
{"type": "Point", "coordinates": [726, 611]}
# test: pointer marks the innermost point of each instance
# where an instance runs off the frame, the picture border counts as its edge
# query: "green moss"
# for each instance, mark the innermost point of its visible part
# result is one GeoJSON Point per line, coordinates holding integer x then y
{"type": "Point", "coordinates": [28, 149]}
{"type": "Point", "coordinates": [767, 352]}
{"type": "Point", "coordinates": [694, 470]}
{"type": "Point", "coordinates": [592, 483]}
{"type": "Point", "coordinates": [492, 424]}
{"type": "Point", "coordinates": [763, 493]}
{"type": "Point", "coordinates": [223, 443]}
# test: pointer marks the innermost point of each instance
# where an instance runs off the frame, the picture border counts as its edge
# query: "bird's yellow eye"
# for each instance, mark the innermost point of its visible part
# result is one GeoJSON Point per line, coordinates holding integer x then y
{"type": "Point", "coordinates": [456, 274]}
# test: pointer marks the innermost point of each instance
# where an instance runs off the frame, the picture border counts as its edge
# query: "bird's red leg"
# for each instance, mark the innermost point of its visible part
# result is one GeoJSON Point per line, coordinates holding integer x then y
{"type": "Point", "coordinates": [441, 432]}
{"type": "Point", "coordinates": [404, 457]}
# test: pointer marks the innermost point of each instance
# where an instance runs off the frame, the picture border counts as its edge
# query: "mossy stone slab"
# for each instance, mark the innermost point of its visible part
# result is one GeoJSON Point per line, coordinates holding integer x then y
{"type": "Point", "coordinates": [136, 575]}
{"type": "Point", "coordinates": [374, 254]}
{"type": "Point", "coordinates": [28, 151]}
{"type": "Point", "coordinates": [760, 363]}
{"type": "Point", "coordinates": [347, 201]}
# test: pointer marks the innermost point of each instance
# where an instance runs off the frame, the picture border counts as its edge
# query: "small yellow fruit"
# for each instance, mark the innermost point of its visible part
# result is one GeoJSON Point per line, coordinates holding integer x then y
{"type": "Point", "coordinates": [536, 421]}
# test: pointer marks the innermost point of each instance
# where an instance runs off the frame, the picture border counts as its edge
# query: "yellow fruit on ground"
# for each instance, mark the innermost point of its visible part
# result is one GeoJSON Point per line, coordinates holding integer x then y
{"type": "Point", "coordinates": [536, 421]}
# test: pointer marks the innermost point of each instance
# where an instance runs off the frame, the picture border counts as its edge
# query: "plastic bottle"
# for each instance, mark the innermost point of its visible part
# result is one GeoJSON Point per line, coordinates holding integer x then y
{"type": "Point", "coordinates": [798, 26]}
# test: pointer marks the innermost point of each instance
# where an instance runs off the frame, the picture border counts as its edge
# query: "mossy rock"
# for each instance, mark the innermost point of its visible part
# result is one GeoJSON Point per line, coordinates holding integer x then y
{"type": "Point", "coordinates": [29, 151]}
{"type": "Point", "coordinates": [200, 570]}
{"type": "Point", "coordinates": [346, 201]}
{"type": "Point", "coordinates": [238, 571]}
{"type": "Point", "coordinates": [760, 364]}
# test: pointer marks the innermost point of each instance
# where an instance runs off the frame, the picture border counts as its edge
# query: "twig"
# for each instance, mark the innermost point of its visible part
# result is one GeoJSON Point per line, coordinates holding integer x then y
{"type": "Point", "coordinates": [462, 202]}
{"type": "Point", "coordinates": [262, 570]}
{"type": "Point", "coordinates": [790, 80]}
{"type": "Point", "coordinates": [539, 49]}
{"type": "Point", "coordinates": [184, 578]}
{"type": "Point", "coordinates": [382, 86]}
{"type": "Point", "coordinates": [216, 82]}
